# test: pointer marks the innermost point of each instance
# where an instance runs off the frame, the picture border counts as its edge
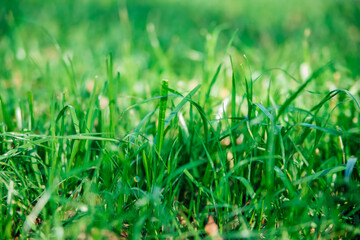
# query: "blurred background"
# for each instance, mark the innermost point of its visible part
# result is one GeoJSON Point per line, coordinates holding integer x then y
{"type": "Point", "coordinates": [183, 41]}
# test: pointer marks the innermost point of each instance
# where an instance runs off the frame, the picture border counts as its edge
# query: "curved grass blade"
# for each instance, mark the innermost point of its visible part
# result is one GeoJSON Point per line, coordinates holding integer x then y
{"type": "Point", "coordinates": [333, 94]}
{"type": "Point", "coordinates": [247, 184]}
{"type": "Point", "coordinates": [213, 80]}
{"type": "Point", "coordinates": [73, 116]}
{"type": "Point", "coordinates": [313, 76]}
{"type": "Point", "coordinates": [286, 181]}
{"type": "Point", "coordinates": [349, 168]}
{"type": "Point", "coordinates": [197, 184]}
{"type": "Point", "coordinates": [180, 105]}
{"type": "Point", "coordinates": [322, 129]}
{"type": "Point", "coordinates": [319, 174]}
{"type": "Point", "coordinates": [266, 112]}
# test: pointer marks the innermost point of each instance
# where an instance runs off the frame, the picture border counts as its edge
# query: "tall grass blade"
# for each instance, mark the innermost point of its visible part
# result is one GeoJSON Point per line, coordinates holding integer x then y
{"type": "Point", "coordinates": [112, 94]}
{"type": "Point", "coordinates": [162, 111]}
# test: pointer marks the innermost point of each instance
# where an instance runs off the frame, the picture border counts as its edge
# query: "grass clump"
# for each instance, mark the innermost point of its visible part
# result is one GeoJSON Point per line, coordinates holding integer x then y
{"type": "Point", "coordinates": [229, 148]}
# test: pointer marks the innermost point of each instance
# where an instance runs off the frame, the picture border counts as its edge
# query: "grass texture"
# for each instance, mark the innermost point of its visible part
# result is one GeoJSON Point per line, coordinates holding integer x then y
{"type": "Point", "coordinates": [179, 119]}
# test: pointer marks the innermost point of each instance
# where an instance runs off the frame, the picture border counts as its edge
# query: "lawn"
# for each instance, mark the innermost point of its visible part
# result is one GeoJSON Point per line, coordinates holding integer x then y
{"type": "Point", "coordinates": [170, 119]}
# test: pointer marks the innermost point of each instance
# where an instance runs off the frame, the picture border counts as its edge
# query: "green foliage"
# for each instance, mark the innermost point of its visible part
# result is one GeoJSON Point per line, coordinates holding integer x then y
{"type": "Point", "coordinates": [254, 127]}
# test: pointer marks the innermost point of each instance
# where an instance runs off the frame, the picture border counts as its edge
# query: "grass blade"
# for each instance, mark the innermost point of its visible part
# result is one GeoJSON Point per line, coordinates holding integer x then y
{"type": "Point", "coordinates": [112, 95]}
{"type": "Point", "coordinates": [180, 105]}
{"type": "Point", "coordinates": [5, 117]}
{"type": "Point", "coordinates": [289, 100]}
{"type": "Point", "coordinates": [349, 168]}
{"type": "Point", "coordinates": [162, 111]}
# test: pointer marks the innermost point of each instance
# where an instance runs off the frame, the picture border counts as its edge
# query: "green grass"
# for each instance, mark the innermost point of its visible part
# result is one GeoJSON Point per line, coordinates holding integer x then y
{"type": "Point", "coordinates": [257, 124]}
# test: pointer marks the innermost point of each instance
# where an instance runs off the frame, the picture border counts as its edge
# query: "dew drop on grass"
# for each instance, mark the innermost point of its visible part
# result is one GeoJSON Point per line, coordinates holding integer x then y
{"type": "Point", "coordinates": [137, 179]}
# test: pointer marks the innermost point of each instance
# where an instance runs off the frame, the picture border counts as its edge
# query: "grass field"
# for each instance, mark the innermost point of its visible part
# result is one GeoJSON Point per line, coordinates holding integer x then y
{"type": "Point", "coordinates": [179, 119]}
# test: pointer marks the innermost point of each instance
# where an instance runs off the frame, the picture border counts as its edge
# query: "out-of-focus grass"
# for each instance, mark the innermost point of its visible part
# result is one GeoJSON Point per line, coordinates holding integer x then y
{"type": "Point", "coordinates": [92, 145]}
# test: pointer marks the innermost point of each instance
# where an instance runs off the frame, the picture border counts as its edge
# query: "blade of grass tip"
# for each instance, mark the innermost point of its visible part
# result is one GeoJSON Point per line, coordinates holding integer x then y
{"type": "Point", "coordinates": [162, 111]}
{"type": "Point", "coordinates": [77, 129]}
{"type": "Point", "coordinates": [90, 120]}
{"type": "Point", "coordinates": [319, 174]}
{"type": "Point", "coordinates": [214, 78]}
{"type": "Point", "coordinates": [268, 95]}
{"type": "Point", "coordinates": [175, 92]}
{"type": "Point", "coordinates": [249, 189]}
{"type": "Point", "coordinates": [191, 165]}
{"type": "Point", "coordinates": [333, 94]}
{"type": "Point", "coordinates": [204, 119]}
{"type": "Point", "coordinates": [111, 92]}
{"type": "Point", "coordinates": [278, 69]}
{"type": "Point", "coordinates": [73, 116]}
{"type": "Point", "coordinates": [248, 89]}
{"type": "Point", "coordinates": [90, 115]}
{"type": "Point", "coordinates": [196, 105]}
{"type": "Point", "coordinates": [210, 45]}
{"type": "Point", "coordinates": [231, 41]}
{"type": "Point", "coordinates": [181, 104]}
{"type": "Point", "coordinates": [289, 100]}
{"type": "Point", "coordinates": [266, 112]}
{"type": "Point", "coordinates": [322, 129]}
{"type": "Point", "coordinates": [249, 84]}
{"type": "Point", "coordinates": [199, 109]}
